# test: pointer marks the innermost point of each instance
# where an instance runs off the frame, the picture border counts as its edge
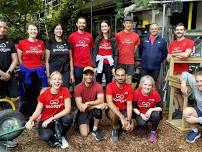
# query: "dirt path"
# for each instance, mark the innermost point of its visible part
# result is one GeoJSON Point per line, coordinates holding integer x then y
{"type": "Point", "coordinates": [169, 141]}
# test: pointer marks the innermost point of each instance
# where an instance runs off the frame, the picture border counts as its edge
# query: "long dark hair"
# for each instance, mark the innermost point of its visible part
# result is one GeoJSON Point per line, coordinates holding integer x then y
{"type": "Point", "coordinates": [52, 35]}
{"type": "Point", "coordinates": [101, 36]}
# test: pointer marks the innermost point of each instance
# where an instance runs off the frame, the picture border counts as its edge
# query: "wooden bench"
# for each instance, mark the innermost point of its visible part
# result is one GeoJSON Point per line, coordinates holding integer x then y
{"type": "Point", "coordinates": [174, 82]}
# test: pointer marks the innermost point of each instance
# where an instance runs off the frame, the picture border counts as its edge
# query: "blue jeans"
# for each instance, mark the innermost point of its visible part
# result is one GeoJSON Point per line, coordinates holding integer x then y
{"type": "Point", "coordinates": [78, 74]}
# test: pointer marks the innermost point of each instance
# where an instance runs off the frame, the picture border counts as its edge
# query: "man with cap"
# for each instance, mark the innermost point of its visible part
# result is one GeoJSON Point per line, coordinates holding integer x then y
{"type": "Point", "coordinates": [127, 41]}
{"type": "Point", "coordinates": [89, 99]}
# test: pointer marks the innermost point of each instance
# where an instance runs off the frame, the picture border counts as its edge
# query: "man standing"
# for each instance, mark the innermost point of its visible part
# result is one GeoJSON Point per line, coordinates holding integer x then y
{"type": "Point", "coordinates": [81, 44]}
{"type": "Point", "coordinates": [127, 42]}
{"type": "Point", "coordinates": [181, 48]}
{"type": "Point", "coordinates": [152, 51]}
{"type": "Point", "coordinates": [119, 98]}
{"type": "Point", "coordinates": [193, 115]}
{"type": "Point", "coordinates": [89, 99]}
{"type": "Point", "coordinates": [8, 62]}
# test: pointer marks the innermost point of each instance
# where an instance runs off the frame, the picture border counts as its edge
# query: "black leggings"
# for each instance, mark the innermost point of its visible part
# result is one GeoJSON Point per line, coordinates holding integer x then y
{"type": "Point", "coordinates": [154, 119]}
{"type": "Point", "coordinates": [28, 101]}
{"type": "Point", "coordinates": [48, 133]}
{"type": "Point", "coordinates": [107, 70]}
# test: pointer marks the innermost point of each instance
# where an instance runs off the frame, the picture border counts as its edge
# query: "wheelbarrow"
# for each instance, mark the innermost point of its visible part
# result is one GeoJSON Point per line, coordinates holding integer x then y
{"type": "Point", "coordinates": [11, 126]}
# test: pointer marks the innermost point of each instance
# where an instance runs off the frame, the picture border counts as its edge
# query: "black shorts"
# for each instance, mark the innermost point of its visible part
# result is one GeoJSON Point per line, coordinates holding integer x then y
{"type": "Point", "coordinates": [130, 68]}
{"type": "Point", "coordinates": [9, 88]}
{"type": "Point", "coordinates": [86, 117]}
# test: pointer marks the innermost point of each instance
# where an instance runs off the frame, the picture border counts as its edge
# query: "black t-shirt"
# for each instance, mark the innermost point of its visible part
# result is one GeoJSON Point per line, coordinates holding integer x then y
{"type": "Point", "coordinates": [7, 47]}
{"type": "Point", "coordinates": [59, 56]}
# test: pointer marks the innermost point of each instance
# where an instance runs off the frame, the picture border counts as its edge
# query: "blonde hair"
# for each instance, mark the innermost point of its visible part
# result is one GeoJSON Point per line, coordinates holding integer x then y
{"type": "Point", "coordinates": [147, 77]}
{"type": "Point", "coordinates": [54, 73]}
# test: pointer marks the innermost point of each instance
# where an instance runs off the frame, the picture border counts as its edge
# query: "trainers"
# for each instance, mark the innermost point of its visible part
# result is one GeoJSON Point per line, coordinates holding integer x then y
{"type": "Point", "coordinates": [65, 143]}
{"type": "Point", "coordinates": [97, 135]}
{"type": "Point", "coordinates": [10, 144]}
{"type": "Point", "coordinates": [54, 144]}
{"type": "Point", "coordinates": [192, 136]}
{"type": "Point", "coordinates": [115, 135]}
{"type": "Point", "coordinates": [153, 136]}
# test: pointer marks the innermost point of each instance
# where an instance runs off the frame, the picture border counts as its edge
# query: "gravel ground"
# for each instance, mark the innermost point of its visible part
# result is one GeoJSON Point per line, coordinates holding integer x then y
{"type": "Point", "coordinates": [169, 141]}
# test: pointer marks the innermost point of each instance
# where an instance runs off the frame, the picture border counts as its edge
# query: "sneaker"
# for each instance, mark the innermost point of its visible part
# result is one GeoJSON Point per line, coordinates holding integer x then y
{"type": "Point", "coordinates": [153, 136]}
{"type": "Point", "coordinates": [97, 135]}
{"type": "Point", "coordinates": [54, 144]}
{"type": "Point", "coordinates": [192, 136]}
{"type": "Point", "coordinates": [10, 144]}
{"type": "Point", "coordinates": [65, 143]}
{"type": "Point", "coordinates": [115, 135]}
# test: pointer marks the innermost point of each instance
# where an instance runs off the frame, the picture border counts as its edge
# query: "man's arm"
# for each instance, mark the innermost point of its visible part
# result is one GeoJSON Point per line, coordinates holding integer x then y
{"type": "Point", "coordinates": [113, 107]}
{"type": "Point", "coordinates": [187, 77]}
{"type": "Point", "coordinates": [81, 106]}
{"type": "Point", "coordinates": [185, 54]}
{"type": "Point", "coordinates": [129, 110]}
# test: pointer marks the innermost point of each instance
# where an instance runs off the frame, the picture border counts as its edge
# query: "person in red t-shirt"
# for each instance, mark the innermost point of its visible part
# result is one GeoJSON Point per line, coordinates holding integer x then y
{"type": "Point", "coordinates": [53, 112]}
{"type": "Point", "coordinates": [81, 43]}
{"type": "Point", "coordinates": [89, 99]}
{"type": "Point", "coordinates": [127, 42]}
{"type": "Point", "coordinates": [105, 53]}
{"type": "Point", "coordinates": [32, 74]}
{"type": "Point", "coordinates": [180, 48]}
{"type": "Point", "coordinates": [146, 105]}
{"type": "Point", "coordinates": [119, 98]}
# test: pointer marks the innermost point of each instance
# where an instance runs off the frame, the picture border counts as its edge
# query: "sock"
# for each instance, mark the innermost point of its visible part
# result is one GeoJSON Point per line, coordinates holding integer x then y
{"type": "Point", "coordinates": [194, 129]}
{"type": "Point", "coordinates": [95, 128]}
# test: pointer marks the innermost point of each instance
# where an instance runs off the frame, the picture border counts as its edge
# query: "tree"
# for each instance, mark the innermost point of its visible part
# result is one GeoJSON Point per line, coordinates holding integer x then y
{"type": "Point", "coordinates": [18, 13]}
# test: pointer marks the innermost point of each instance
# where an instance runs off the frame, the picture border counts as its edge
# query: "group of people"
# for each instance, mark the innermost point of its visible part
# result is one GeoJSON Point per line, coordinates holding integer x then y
{"type": "Point", "coordinates": [44, 89]}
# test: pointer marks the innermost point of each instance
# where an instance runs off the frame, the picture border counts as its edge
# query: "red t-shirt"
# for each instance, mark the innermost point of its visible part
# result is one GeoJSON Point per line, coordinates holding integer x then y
{"type": "Point", "coordinates": [81, 45]}
{"type": "Point", "coordinates": [177, 47]}
{"type": "Point", "coordinates": [146, 102]}
{"type": "Point", "coordinates": [88, 93]}
{"type": "Point", "coordinates": [126, 44]}
{"type": "Point", "coordinates": [32, 53]}
{"type": "Point", "coordinates": [120, 95]}
{"type": "Point", "coordinates": [105, 48]}
{"type": "Point", "coordinates": [53, 103]}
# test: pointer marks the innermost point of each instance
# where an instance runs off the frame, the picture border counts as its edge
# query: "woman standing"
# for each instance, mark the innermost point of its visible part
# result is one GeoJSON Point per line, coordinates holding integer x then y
{"type": "Point", "coordinates": [59, 56]}
{"type": "Point", "coordinates": [32, 76]}
{"type": "Point", "coordinates": [105, 53]}
{"type": "Point", "coordinates": [54, 106]}
{"type": "Point", "coordinates": [147, 106]}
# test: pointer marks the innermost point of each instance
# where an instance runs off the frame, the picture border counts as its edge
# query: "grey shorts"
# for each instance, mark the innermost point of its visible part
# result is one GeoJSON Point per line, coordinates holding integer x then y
{"type": "Point", "coordinates": [130, 68]}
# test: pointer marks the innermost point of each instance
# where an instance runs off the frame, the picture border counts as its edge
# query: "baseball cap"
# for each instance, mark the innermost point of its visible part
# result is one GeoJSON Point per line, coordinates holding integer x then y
{"type": "Point", "coordinates": [128, 18]}
{"type": "Point", "coordinates": [88, 68]}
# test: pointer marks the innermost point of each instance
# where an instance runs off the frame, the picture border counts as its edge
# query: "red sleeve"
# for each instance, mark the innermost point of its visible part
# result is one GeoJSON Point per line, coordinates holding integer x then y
{"type": "Point", "coordinates": [190, 44]}
{"type": "Point", "coordinates": [99, 88]}
{"type": "Point", "coordinates": [20, 45]}
{"type": "Point", "coordinates": [42, 97]}
{"type": "Point", "coordinates": [138, 40]}
{"type": "Point", "coordinates": [109, 90]}
{"type": "Point", "coordinates": [170, 47]}
{"type": "Point", "coordinates": [92, 42]}
{"type": "Point", "coordinates": [130, 94]}
{"type": "Point", "coordinates": [77, 91]}
{"type": "Point", "coordinates": [66, 93]}
{"type": "Point", "coordinates": [157, 96]}
{"type": "Point", "coordinates": [43, 45]}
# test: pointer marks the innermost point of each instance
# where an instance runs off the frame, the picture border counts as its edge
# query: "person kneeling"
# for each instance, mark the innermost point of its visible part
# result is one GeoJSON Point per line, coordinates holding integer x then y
{"type": "Point", "coordinates": [89, 99]}
{"type": "Point", "coordinates": [53, 111]}
{"type": "Point", "coordinates": [119, 99]}
{"type": "Point", "coordinates": [147, 106]}
{"type": "Point", "coordinates": [193, 115]}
